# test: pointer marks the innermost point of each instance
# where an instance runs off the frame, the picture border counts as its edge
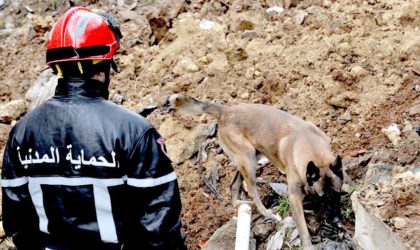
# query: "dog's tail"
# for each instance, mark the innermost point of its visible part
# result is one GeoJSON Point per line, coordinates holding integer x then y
{"type": "Point", "coordinates": [191, 106]}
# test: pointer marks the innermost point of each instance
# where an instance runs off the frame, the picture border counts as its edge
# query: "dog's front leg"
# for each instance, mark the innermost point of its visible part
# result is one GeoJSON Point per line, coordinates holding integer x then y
{"type": "Point", "coordinates": [296, 197]}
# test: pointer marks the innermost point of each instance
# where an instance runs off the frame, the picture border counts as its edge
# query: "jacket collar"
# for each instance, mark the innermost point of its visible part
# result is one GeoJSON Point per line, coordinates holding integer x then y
{"type": "Point", "coordinates": [71, 87]}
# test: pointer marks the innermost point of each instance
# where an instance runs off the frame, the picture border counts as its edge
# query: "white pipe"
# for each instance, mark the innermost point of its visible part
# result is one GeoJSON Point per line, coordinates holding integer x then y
{"type": "Point", "coordinates": [243, 226]}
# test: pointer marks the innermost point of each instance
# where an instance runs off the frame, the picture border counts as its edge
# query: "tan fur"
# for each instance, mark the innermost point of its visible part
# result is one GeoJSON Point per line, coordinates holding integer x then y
{"type": "Point", "coordinates": [286, 140]}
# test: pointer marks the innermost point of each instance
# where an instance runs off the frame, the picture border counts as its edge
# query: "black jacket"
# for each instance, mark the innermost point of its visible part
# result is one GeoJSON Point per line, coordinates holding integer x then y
{"type": "Point", "coordinates": [80, 172]}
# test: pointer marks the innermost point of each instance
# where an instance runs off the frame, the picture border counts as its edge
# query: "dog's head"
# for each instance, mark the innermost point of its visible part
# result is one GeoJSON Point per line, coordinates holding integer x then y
{"type": "Point", "coordinates": [326, 183]}
{"type": "Point", "coordinates": [172, 102]}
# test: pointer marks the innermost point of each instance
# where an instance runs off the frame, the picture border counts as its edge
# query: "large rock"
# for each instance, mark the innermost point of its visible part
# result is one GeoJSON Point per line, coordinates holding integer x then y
{"type": "Point", "coordinates": [41, 90]}
{"type": "Point", "coordinates": [4, 133]}
{"type": "Point", "coordinates": [183, 143]}
{"type": "Point", "coordinates": [12, 111]}
{"type": "Point", "coordinates": [224, 238]}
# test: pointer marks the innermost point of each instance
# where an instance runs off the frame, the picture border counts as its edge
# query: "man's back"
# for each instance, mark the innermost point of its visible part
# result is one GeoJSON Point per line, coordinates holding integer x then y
{"type": "Point", "coordinates": [92, 169]}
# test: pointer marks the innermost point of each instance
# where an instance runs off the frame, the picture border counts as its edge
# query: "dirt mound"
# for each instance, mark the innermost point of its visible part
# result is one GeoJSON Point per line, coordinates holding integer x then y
{"type": "Point", "coordinates": [349, 66]}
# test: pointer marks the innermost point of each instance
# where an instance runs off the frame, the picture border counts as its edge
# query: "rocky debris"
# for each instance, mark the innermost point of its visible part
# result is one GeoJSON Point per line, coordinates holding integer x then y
{"type": "Point", "coordinates": [185, 65]}
{"type": "Point", "coordinates": [161, 18]}
{"type": "Point", "coordinates": [262, 228]}
{"type": "Point", "coordinates": [262, 160]}
{"type": "Point", "coordinates": [41, 89]}
{"type": "Point", "coordinates": [42, 24]}
{"type": "Point", "coordinates": [300, 16]}
{"type": "Point", "coordinates": [377, 172]}
{"type": "Point", "coordinates": [354, 169]}
{"type": "Point", "coordinates": [5, 33]}
{"type": "Point", "coordinates": [117, 98]}
{"type": "Point", "coordinates": [4, 134]}
{"type": "Point", "coordinates": [12, 111]}
{"type": "Point", "coordinates": [144, 32]}
{"type": "Point", "coordinates": [382, 211]}
{"type": "Point", "coordinates": [416, 68]}
{"type": "Point", "coordinates": [399, 222]}
{"type": "Point", "coordinates": [275, 9]}
{"type": "Point", "coordinates": [343, 100]}
{"type": "Point", "coordinates": [393, 133]}
{"type": "Point", "coordinates": [280, 189]}
{"type": "Point", "coordinates": [286, 233]}
{"type": "Point", "coordinates": [415, 110]}
{"type": "Point", "coordinates": [3, 4]}
{"type": "Point", "coordinates": [224, 238]}
{"type": "Point", "coordinates": [358, 71]}
{"type": "Point", "coordinates": [249, 34]}
{"type": "Point", "coordinates": [346, 117]}
{"type": "Point", "coordinates": [328, 244]}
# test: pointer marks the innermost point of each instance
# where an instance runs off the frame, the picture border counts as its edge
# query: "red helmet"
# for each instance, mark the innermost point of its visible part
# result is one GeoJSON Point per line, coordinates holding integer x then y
{"type": "Point", "coordinates": [81, 34]}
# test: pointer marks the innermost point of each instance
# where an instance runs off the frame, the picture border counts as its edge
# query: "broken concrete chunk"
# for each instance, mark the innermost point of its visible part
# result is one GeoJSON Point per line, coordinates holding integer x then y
{"type": "Point", "coordinates": [42, 89]}
{"type": "Point", "coordinates": [12, 111]}
{"type": "Point", "coordinates": [414, 110]}
{"type": "Point", "coordinates": [358, 71]}
{"type": "Point", "coordinates": [393, 133]}
{"type": "Point", "coordinates": [117, 99]}
{"type": "Point", "coordinates": [346, 116]}
{"type": "Point", "coordinates": [275, 10]}
{"type": "Point", "coordinates": [300, 16]}
{"type": "Point", "coordinates": [280, 189]}
{"type": "Point", "coordinates": [399, 222]}
{"type": "Point", "coordinates": [185, 66]}
{"type": "Point", "coordinates": [249, 34]}
{"type": "Point", "coordinates": [207, 25]}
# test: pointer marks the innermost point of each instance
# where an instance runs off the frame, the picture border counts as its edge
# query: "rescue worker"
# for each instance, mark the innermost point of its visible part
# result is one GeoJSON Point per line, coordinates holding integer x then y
{"type": "Point", "coordinates": [80, 172]}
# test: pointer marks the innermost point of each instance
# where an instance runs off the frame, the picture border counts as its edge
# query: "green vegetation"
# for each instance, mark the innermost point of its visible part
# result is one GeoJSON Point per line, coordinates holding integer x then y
{"type": "Point", "coordinates": [283, 207]}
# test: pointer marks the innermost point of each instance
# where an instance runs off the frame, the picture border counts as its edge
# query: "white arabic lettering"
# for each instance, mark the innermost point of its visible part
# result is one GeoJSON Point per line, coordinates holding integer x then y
{"type": "Point", "coordinates": [55, 158]}
{"type": "Point", "coordinates": [38, 160]}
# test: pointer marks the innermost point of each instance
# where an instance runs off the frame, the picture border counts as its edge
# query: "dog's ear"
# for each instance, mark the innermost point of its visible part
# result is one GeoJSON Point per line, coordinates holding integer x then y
{"type": "Point", "coordinates": [337, 167]}
{"type": "Point", "coordinates": [312, 173]}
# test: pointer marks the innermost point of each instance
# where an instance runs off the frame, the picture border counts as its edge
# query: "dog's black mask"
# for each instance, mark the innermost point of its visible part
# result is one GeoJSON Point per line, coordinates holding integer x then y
{"type": "Point", "coordinates": [324, 188]}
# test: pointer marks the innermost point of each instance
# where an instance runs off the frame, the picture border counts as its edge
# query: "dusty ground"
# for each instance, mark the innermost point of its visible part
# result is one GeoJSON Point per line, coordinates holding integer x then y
{"type": "Point", "coordinates": [351, 67]}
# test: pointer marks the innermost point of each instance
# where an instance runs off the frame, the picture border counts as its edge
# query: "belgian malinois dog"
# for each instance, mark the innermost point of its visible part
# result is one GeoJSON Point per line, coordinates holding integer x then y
{"type": "Point", "coordinates": [297, 147]}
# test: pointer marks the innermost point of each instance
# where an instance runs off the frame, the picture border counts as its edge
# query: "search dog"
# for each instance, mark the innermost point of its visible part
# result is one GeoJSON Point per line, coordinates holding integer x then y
{"type": "Point", "coordinates": [297, 147]}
